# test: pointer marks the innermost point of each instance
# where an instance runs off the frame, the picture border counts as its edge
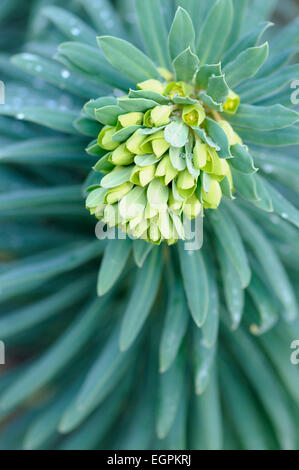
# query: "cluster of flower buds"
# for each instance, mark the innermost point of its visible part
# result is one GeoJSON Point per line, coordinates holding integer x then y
{"type": "Point", "coordinates": [163, 160]}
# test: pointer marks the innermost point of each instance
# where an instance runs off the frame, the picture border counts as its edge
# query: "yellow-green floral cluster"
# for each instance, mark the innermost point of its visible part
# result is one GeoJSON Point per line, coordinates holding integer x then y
{"type": "Point", "coordinates": [162, 163]}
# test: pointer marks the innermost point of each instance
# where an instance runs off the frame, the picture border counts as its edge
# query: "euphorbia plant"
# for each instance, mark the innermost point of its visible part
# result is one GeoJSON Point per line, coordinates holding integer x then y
{"type": "Point", "coordinates": [182, 126]}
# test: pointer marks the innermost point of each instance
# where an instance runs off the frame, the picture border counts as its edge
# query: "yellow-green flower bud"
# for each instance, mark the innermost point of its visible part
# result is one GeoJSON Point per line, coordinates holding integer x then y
{"type": "Point", "coordinates": [185, 184]}
{"type": "Point", "coordinates": [95, 199]}
{"type": "Point", "coordinates": [174, 205]}
{"type": "Point", "coordinates": [185, 180]}
{"type": "Point", "coordinates": [200, 154]}
{"type": "Point", "coordinates": [130, 119]}
{"type": "Point", "coordinates": [105, 138]}
{"type": "Point", "coordinates": [165, 74]}
{"type": "Point", "coordinates": [154, 233]}
{"type": "Point", "coordinates": [156, 144]}
{"type": "Point", "coordinates": [132, 204]}
{"type": "Point", "coordinates": [134, 143]}
{"type": "Point", "coordinates": [142, 176]}
{"type": "Point", "coordinates": [114, 195]}
{"type": "Point", "coordinates": [212, 198]}
{"type": "Point", "coordinates": [192, 207]}
{"type": "Point", "coordinates": [160, 115]}
{"type": "Point", "coordinates": [193, 115]}
{"type": "Point", "coordinates": [140, 230]}
{"type": "Point", "coordinates": [121, 156]}
{"type": "Point", "coordinates": [111, 215]}
{"type": "Point", "coordinates": [150, 212]}
{"type": "Point", "coordinates": [178, 89]}
{"type": "Point", "coordinates": [232, 103]}
{"type": "Point", "coordinates": [233, 138]}
{"type": "Point", "coordinates": [152, 85]}
{"type": "Point", "coordinates": [147, 119]}
{"type": "Point", "coordinates": [166, 170]}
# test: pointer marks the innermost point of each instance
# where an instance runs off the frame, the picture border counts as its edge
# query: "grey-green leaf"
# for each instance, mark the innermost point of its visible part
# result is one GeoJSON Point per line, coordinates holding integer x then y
{"type": "Point", "coordinates": [246, 65]}
{"type": "Point", "coordinates": [128, 59]}
{"type": "Point", "coordinates": [195, 283]}
{"type": "Point", "coordinates": [185, 65]}
{"type": "Point", "coordinates": [113, 263]}
{"type": "Point", "coordinates": [182, 33]}
{"type": "Point", "coordinates": [142, 299]}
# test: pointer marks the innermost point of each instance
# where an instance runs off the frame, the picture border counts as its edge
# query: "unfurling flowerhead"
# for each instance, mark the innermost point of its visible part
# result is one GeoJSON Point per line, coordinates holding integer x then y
{"type": "Point", "coordinates": [172, 151]}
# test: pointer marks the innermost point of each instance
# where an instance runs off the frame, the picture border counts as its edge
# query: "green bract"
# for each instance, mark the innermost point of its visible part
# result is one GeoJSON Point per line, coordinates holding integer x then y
{"type": "Point", "coordinates": [120, 344]}
{"type": "Point", "coordinates": [182, 128]}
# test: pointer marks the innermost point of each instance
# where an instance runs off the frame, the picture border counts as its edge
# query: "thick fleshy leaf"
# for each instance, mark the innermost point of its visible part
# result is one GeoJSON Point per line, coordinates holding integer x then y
{"type": "Point", "coordinates": [218, 89]}
{"type": "Point", "coordinates": [113, 263]}
{"type": "Point", "coordinates": [111, 374]}
{"type": "Point", "coordinates": [185, 65]}
{"type": "Point", "coordinates": [128, 59]}
{"type": "Point", "coordinates": [211, 325]}
{"type": "Point", "coordinates": [211, 43]}
{"type": "Point", "coordinates": [123, 134]}
{"type": "Point", "coordinates": [108, 115]}
{"type": "Point", "coordinates": [281, 205]}
{"type": "Point", "coordinates": [268, 258]}
{"type": "Point", "coordinates": [230, 240]}
{"type": "Point", "coordinates": [102, 371]}
{"type": "Point", "coordinates": [141, 250]}
{"type": "Point", "coordinates": [207, 431]}
{"type": "Point", "coordinates": [39, 197]}
{"type": "Point", "coordinates": [70, 25]}
{"type": "Point", "coordinates": [265, 200]}
{"type": "Point", "coordinates": [87, 126]}
{"type": "Point", "coordinates": [136, 104]}
{"type": "Point", "coordinates": [219, 137]}
{"type": "Point", "coordinates": [28, 317]}
{"type": "Point", "coordinates": [242, 161]}
{"type": "Point", "coordinates": [263, 118]}
{"type": "Point", "coordinates": [195, 283]}
{"type": "Point", "coordinates": [182, 33]}
{"type": "Point", "coordinates": [250, 39]}
{"type": "Point", "coordinates": [175, 326]}
{"type": "Point", "coordinates": [55, 358]}
{"type": "Point", "coordinates": [56, 74]}
{"type": "Point", "coordinates": [246, 65]}
{"type": "Point", "coordinates": [204, 360]}
{"type": "Point", "coordinates": [142, 299]}
{"type": "Point", "coordinates": [233, 290]}
{"type": "Point", "coordinates": [206, 139]}
{"type": "Point", "coordinates": [153, 28]}
{"type": "Point", "coordinates": [93, 64]}
{"type": "Point", "coordinates": [149, 95]}
{"type": "Point", "coordinates": [255, 90]}
{"type": "Point", "coordinates": [104, 17]}
{"type": "Point", "coordinates": [267, 386]}
{"type": "Point", "coordinates": [46, 151]}
{"type": "Point", "coordinates": [52, 118]}
{"type": "Point", "coordinates": [206, 72]}
{"type": "Point", "coordinates": [276, 138]}
{"type": "Point", "coordinates": [117, 177]}
{"type": "Point", "coordinates": [252, 427]}
{"type": "Point", "coordinates": [289, 36]}
{"type": "Point", "coordinates": [245, 185]}
{"type": "Point", "coordinates": [170, 390]}
{"type": "Point", "coordinates": [265, 315]}
{"type": "Point", "coordinates": [196, 11]}
{"type": "Point", "coordinates": [176, 133]}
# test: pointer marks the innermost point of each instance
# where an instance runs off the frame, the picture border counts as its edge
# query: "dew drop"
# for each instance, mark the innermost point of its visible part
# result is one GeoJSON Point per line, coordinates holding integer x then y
{"type": "Point", "coordinates": [75, 31]}
{"type": "Point", "coordinates": [65, 74]}
{"type": "Point", "coordinates": [20, 116]}
{"type": "Point", "coordinates": [284, 215]}
{"type": "Point", "coordinates": [267, 168]}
